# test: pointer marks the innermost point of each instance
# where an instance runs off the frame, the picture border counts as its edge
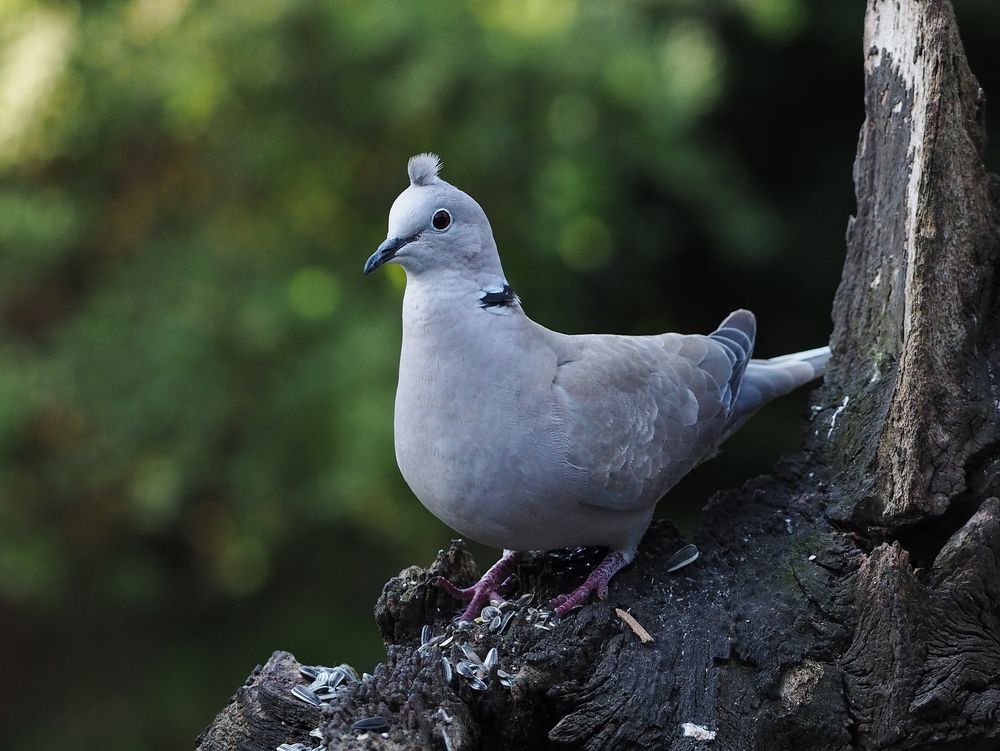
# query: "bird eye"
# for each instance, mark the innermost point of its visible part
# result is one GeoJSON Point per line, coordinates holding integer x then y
{"type": "Point", "coordinates": [441, 220]}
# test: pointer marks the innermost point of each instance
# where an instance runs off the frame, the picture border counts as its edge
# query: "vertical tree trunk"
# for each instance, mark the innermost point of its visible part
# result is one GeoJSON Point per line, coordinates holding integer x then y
{"type": "Point", "coordinates": [914, 331]}
{"type": "Point", "coordinates": [850, 601]}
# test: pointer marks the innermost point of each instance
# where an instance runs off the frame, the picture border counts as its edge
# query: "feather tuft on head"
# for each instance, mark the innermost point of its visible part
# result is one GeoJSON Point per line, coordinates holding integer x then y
{"type": "Point", "coordinates": [423, 168]}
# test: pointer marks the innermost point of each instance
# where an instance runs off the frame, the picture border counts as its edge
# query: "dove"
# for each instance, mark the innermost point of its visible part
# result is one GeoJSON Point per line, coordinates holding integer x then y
{"type": "Point", "coordinates": [522, 438]}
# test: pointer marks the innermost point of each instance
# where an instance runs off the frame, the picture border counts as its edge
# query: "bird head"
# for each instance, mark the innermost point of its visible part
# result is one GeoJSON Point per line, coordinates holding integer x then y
{"type": "Point", "coordinates": [435, 227]}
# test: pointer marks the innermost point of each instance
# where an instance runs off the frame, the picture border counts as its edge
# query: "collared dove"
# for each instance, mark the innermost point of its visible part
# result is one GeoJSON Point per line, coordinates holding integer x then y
{"type": "Point", "coordinates": [523, 438]}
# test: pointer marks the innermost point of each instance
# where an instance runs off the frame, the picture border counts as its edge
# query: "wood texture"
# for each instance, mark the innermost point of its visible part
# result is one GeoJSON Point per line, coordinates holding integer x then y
{"type": "Point", "coordinates": [914, 318]}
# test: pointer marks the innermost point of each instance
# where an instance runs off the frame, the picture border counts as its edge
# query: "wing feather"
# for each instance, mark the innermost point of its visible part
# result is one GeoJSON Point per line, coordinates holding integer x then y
{"type": "Point", "coordinates": [643, 411]}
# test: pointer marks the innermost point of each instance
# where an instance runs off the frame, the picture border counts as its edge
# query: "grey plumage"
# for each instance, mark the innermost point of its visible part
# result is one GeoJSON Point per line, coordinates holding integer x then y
{"type": "Point", "coordinates": [423, 169]}
{"type": "Point", "coordinates": [524, 438]}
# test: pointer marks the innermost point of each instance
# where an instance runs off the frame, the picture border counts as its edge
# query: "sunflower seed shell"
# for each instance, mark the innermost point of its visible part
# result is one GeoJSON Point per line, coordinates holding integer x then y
{"type": "Point", "coordinates": [370, 723]}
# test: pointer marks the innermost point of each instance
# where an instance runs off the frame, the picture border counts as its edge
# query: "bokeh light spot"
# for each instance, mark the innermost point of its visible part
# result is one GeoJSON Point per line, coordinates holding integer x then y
{"type": "Point", "coordinates": [156, 485]}
{"type": "Point", "coordinates": [778, 19]}
{"type": "Point", "coordinates": [692, 66]}
{"type": "Point", "coordinates": [244, 564]}
{"type": "Point", "coordinates": [150, 17]}
{"type": "Point", "coordinates": [572, 119]}
{"type": "Point", "coordinates": [313, 293]}
{"type": "Point", "coordinates": [629, 76]}
{"type": "Point", "coordinates": [529, 18]}
{"type": "Point", "coordinates": [585, 243]}
{"type": "Point", "coordinates": [33, 57]}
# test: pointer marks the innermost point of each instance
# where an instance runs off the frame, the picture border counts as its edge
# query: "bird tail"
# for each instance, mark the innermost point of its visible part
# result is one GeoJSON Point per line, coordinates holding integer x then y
{"type": "Point", "coordinates": [765, 380]}
{"type": "Point", "coordinates": [736, 334]}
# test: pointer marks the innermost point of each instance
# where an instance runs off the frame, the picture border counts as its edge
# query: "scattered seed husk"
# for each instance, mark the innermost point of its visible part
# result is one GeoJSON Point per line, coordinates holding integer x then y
{"type": "Point", "coordinates": [495, 623]}
{"type": "Point", "coordinates": [321, 682]}
{"type": "Point", "coordinates": [305, 694]}
{"type": "Point", "coordinates": [325, 681]}
{"type": "Point", "coordinates": [337, 674]}
{"type": "Point", "coordinates": [492, 658]}
{"type": "Point", "coordinates": [470, 654]}
{"type": "Point", "coordinates": [506, 621]}
{"type": "Point", "coordinates": [432, 641]}
{"type": "Point", "coordinates": [683, 557]}
{"type": "Point", "coordinates": [489, 613]}
{"type": "Point", "coordinates": [370, 724]}
{"type": "Point", "coordinates": [426, 633]}
{"type": "Point", "coordinates": [448, 641]}
{"type": "Point", "coordinates": [466, 669]}
{"type": "Point", "coordinates": [446, 669]}
{"type": "Point", "coordinates": [477, 684]}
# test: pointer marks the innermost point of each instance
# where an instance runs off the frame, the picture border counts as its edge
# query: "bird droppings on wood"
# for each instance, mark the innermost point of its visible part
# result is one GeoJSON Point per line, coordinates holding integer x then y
{"type": "Point", "coordinates": [797, 683]}
{"type": "Point", "coordinates": [698, 732]}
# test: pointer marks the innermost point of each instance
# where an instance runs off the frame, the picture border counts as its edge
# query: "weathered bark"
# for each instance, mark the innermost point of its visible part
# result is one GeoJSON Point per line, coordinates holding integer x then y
{"type": "Point", "coordinates": [914, 332]}
{"type": "Point", "coordinates": [850, 601]}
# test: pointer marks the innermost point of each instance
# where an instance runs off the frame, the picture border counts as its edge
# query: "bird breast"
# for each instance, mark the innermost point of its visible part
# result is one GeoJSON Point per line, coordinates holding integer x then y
{"type": "Point", "coordinates": [475, 419]}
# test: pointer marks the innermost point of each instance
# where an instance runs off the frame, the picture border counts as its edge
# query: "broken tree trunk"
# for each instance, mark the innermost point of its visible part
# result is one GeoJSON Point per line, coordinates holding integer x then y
{"type": "Point", "coordinates": [850, 601]}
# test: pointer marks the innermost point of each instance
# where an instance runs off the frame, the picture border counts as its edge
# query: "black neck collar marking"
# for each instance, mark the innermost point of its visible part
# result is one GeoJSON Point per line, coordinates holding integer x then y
{"type": "Point", "coordinates": [498, 298]}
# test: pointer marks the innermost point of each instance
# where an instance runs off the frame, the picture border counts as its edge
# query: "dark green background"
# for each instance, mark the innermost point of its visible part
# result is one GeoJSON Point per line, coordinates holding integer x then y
{"type": "Point", "coordinates": [196, 382]}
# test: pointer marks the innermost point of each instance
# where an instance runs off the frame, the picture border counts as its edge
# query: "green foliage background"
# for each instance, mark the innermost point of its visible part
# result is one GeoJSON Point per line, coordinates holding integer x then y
{"type": "Point", "coordinates": [196, 383]}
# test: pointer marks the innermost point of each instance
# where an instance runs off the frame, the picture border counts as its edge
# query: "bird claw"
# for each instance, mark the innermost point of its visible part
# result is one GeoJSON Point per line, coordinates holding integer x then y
{"type": "Point", "coordinates": [459, 593]}
{"type": "Point", "coordinates": [575, 599]}
{"type": "Point", "coordinates": [596, 582]}
{"type": "Point", "coordinates": [484, 590]}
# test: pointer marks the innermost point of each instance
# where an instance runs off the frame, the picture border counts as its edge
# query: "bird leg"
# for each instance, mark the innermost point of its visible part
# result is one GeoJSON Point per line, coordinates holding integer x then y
{"type": "Point", "coordinates": [480, 593]}
{"type": "Point", "coordinates": [597, 581]}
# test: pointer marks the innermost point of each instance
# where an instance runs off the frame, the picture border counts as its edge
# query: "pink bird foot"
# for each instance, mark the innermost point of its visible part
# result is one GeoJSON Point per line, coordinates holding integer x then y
{"type": "Point", "coordinates": [597, 582]}
{"type": "Point", "coordinates": [480, 593]}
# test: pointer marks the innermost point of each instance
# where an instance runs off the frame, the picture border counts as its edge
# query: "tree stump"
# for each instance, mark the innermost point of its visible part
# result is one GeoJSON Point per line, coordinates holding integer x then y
{"type": "Point", "coordinates": [849, 601]}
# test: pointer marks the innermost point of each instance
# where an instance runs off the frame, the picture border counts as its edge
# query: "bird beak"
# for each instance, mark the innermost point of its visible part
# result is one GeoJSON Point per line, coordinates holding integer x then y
{"type": "Point", "coordinates": [385, 252]}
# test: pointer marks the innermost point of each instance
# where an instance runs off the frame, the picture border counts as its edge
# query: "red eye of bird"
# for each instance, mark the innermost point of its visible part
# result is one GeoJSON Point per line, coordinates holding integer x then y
{"type": "Point", "coordinates": [441, 220]}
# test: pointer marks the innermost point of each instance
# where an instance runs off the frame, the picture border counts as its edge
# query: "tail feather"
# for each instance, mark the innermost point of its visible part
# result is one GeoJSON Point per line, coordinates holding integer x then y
{"type": "Point", "coordinates": [765, 380]}
{"type": "Point", "coordinates": [817, 356]}
{"type": "Point", "coordinates": [737, 334]}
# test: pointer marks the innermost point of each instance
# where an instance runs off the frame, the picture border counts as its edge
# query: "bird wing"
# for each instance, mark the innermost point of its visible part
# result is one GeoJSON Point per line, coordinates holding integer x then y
{"type": "Point", "coordinates": [643, 411]}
